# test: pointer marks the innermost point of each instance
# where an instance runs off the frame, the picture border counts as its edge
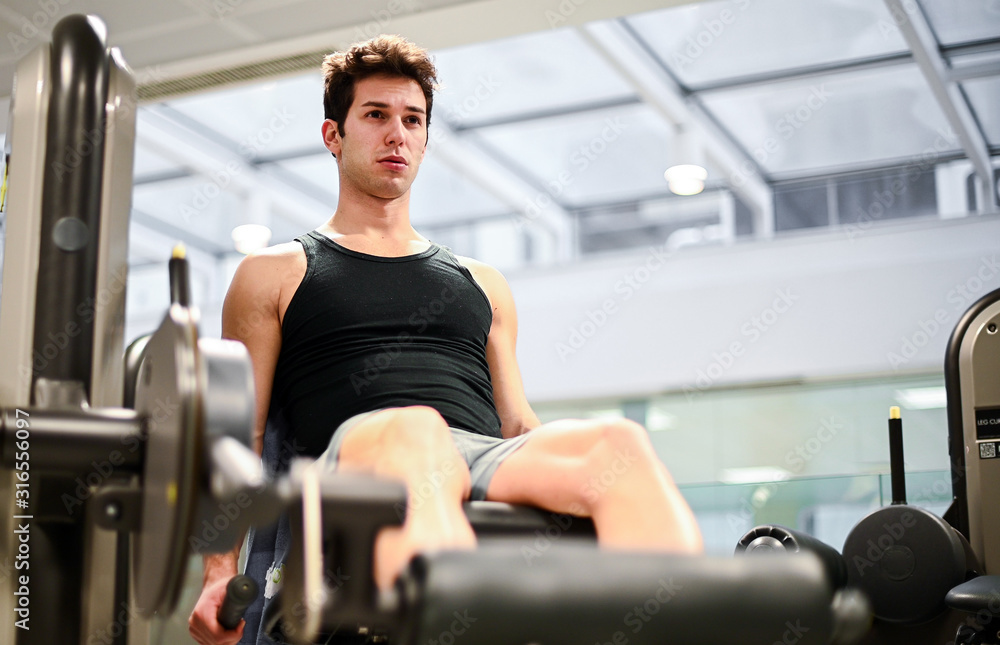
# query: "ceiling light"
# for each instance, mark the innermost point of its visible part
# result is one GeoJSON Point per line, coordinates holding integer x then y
{"type": "Point", "coordinates": [251, 237]}
{"type": "Point", "coordinates": [687, 176]}
{"type": "Point", "coordinates": [686, 179]}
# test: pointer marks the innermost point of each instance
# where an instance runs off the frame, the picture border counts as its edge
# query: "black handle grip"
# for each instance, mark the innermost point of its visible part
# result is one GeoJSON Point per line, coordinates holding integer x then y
{"type": "Point", "coordinates": [240, 592]}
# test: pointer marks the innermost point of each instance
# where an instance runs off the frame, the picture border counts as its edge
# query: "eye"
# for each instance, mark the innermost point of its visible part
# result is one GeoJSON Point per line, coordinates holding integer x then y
{"type": "Point", "coordinates": [414, 120]}
{"type": "Point", "coordinates": [375, 114]}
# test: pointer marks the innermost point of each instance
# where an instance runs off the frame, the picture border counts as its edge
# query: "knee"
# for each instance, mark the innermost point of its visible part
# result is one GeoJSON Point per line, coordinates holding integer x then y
{"type": "Point", "coordinates": [626, 437]}
{"type": "Point", "coordinates": [621, 448]}
{"type": "Point", "coordinates": [415, 428]}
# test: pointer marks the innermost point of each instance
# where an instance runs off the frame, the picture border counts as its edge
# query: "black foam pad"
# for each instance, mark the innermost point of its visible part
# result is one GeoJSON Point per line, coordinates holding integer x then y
{"type": "Point", "coordinates": [573, 594]}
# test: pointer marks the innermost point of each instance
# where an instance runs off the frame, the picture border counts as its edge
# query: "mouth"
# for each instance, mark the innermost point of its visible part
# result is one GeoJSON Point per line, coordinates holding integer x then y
{"type": "Point", "coordinates": [393, 162]}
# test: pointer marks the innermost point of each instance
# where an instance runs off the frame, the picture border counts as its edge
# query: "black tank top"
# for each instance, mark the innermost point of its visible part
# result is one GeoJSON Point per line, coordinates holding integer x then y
{"type": "Point", "coordinates": [364, 332]}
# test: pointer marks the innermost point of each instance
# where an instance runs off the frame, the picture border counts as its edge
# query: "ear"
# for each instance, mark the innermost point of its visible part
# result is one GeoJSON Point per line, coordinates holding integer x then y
{"type": "Point", "coordinates": [331, 137]}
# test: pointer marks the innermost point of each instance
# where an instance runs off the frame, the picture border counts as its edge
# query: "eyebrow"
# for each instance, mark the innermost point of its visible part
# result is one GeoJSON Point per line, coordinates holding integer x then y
{"type": "Point", "coordinates": [385, 106]}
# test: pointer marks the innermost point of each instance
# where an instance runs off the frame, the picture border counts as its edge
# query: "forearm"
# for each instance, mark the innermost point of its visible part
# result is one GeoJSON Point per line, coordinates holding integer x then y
{"type": "Point", "coordinates": [221, 565]}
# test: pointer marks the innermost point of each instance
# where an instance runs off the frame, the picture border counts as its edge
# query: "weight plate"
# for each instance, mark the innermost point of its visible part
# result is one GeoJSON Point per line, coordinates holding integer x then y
{"type": "Point", "coordinates": [905, 559]}
{"type": "Point", "coordinates": [167, 398]}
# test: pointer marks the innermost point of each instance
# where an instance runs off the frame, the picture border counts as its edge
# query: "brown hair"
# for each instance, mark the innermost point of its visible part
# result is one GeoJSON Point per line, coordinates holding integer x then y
{"type": "Point", "coordinates": [392, 55]}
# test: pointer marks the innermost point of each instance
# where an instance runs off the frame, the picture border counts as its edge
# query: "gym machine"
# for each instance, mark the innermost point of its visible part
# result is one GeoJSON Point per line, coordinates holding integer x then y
{"type": "Point", "coordinates": [115, 472]}
{"type": "Point", "coordinates": [95, 486]}
{"type": "Point", "coordinates": [932, 579]}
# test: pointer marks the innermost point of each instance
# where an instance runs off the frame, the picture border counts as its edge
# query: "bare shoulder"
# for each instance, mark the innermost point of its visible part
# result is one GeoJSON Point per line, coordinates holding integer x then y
{"type": "Point", "coordinates": [274, 263]}
{"type": "Point", "coordinates": [268, 277]}
{"type": "Point", "coordinates": [491, 280]}
{"type": "Point", "coordinates": [484, 274]}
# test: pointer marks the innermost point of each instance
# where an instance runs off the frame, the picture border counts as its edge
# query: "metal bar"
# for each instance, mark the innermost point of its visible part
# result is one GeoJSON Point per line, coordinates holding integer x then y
{"type": "Point", "coordinates": [927, 53]}
{"type": "Point", "coordinates": [73, 441]}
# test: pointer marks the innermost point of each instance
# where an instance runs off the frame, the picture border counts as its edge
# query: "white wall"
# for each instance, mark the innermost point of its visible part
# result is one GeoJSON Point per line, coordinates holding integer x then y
{"type": "Point", "coordinates": [844, 302]}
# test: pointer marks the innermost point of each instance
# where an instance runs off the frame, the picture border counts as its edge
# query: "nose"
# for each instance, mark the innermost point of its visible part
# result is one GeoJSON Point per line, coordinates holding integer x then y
{"type": "Point", "coordinates": [395, 133]}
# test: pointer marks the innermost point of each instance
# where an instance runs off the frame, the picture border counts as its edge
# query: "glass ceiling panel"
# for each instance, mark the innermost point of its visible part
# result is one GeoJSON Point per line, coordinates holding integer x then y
{"type": "Point", "coordinates": [149, 163]}
{"type": "Point", "coordinates": [835, 121]}
{"type": "Point", "coordinates": [961, 21]}
{"type": "Point", "coordinates": [708, 42]}
{"type": "Point", "coordinates": [318, 174]}
{"type": "Point", "coordinates": [189, 210]}
{"type": "Point", "coordinates": [522, 75]}
{"type": "Point", "coordinates": [603, 155]}
{"type": "Point", "coordinates": [984, 96]}
{"type": "Point", "coordinates": [441, 194]}
{"type": "Point", "coordinates": [265, 119]}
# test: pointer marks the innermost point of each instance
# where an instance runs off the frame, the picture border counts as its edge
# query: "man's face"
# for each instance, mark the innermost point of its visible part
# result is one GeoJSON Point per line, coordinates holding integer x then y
{"type": "Point", "coordinates": [385, 136]}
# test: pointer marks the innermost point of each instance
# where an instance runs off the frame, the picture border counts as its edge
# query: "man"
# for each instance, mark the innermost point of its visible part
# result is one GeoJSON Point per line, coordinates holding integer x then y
{"type": "Point", "coordinates": [389, 355]}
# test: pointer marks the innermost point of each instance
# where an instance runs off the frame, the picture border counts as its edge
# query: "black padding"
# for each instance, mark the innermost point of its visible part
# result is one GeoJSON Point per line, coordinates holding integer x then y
{"type": "Point", "coordinates": [492, 519]}
{"type": "Point", "coordinates": [771, 538]}
{"type": "Point", "coordinates": [577, 594]}
{"type": "Point", "coordinates": [982, 593]}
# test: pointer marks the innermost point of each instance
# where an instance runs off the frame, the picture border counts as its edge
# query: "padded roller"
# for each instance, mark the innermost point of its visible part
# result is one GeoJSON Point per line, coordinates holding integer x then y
{"type": "Point", "coordinates": [578, 594]}
{"type": "Point", "coordinates": [771, 538]}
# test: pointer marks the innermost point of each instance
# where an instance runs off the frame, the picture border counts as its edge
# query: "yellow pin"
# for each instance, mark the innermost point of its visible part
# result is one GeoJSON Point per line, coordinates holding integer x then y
{"type": "Point", "coordinates": [172, 493]}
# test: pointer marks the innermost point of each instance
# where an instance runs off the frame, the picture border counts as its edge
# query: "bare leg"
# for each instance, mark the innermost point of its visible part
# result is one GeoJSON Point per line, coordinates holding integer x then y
{"type": "Point", "coordinates": [414, 445]}
{"type": "Point", "coordinates": [607, 471]}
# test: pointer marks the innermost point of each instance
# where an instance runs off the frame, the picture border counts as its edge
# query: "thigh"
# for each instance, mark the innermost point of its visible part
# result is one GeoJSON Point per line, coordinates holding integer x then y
{"type": "Point", "coordinates": [411, 435]}
{"type": "Point", "coordinates": [550, 469]}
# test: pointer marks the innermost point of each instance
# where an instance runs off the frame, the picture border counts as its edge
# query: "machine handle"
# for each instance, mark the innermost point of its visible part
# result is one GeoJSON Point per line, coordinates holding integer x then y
{"type": "Point", "coordinates": [240, 593]}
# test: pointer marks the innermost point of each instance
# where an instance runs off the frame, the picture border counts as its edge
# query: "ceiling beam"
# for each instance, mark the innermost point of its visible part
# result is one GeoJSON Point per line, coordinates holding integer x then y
{"type": "Point", "coordinates": [920, 38]}
{"type": "Point", "coordinates": [189, 148]}
{"type": "Point", "coordinates": [536, 212]}
{"type": "Point", "coordinates": [647, 78]}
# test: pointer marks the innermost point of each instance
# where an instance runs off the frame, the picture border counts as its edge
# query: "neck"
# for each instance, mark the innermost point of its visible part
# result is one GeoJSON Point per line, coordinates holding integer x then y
{"type": "Point", "coordinates": [374, 217]}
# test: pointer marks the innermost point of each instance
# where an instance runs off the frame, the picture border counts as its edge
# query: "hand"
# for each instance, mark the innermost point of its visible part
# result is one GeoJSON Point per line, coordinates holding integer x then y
{"type": "Point", "coordinates": [203, 624]}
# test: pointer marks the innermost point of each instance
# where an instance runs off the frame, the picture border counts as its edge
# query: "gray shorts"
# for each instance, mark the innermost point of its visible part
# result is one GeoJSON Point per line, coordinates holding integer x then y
{"type": "Point", "coordinates": [483, 454]}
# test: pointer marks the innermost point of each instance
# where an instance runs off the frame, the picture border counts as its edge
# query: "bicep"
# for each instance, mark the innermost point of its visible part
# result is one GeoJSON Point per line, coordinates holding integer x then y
{"type": "Point", "coordinates": [250, 315]}
{"type": "Point", "coordinates": [501, 354]}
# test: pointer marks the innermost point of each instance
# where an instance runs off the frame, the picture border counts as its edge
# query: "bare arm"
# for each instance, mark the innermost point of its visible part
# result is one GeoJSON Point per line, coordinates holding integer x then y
{"type": "Point", "coordinates": [516, 415]}
{"type": "Point", "coordinates": [251, 315]}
